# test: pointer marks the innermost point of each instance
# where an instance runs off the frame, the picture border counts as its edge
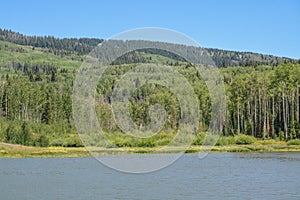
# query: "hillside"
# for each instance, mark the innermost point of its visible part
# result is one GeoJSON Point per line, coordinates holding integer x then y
{"type": "Point", "coordinates": [81, 46]}
{"type": "Point", "coordinates": [14, 54]}
{"type": "Point", "coordinates": [37, 83]}
{"type": "Point", "coordinates": [55, 45]}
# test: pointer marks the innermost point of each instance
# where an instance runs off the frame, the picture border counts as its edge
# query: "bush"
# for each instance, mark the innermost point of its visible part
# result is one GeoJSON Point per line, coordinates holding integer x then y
{"type": "Point", "coordinates": [163, 138]}
{"type": "Point", "coordinates": [41, 141]}
{"type": "Point", "coordinates": [122, 141]}
{"type": "Point", "coordinates": [222, 141]}
{"type": "Point", "coordinates": [199, 139]}
{"type": "Point", "coordinates": [69, 142]}
{"type": "Point", "coordinates": [135, 142]}
{"type": "Point", "coordinates": [57, 143]}
{"type": "Point", "coordinates": [73, 142]}
{"type": "Point", "coordinates": [294, 142]}
{"type": "Point", "coordinates": [244, 139]}
{"type": "Point", "coordinates": [210, 140]}
{"type": "Point", "coordinates": [281, 135]}
{"type": "Point", "coordinates": [145, 143]}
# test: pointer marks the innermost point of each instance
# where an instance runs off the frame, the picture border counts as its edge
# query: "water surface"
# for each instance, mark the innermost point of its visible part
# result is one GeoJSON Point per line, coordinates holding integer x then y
{"type": "Point", "coordinates": [218, 176]}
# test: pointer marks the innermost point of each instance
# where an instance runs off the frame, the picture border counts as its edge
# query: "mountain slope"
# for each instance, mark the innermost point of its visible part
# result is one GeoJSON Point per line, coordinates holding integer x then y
{"type": "Point", "coordinates": [82, 46]}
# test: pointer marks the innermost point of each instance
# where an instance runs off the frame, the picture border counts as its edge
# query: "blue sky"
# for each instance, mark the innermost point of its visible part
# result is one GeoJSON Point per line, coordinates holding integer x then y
{"type": "Point", "coordinates": [270, 26]}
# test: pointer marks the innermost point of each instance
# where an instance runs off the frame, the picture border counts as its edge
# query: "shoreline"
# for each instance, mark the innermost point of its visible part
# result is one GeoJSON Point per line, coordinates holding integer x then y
{"type": "Point", "coordinates": [19, 151]}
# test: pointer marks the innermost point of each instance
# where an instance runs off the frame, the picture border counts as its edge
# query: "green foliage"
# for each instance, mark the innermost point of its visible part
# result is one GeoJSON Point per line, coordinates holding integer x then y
{"type": "Point", "coordinates": [124, 140]}
{"type": "Point", "coordinates": [24, 134]}
{"type": "Point", "coordinates": [73, 142]}
{"type": "Point", "coordinates": [268, 142]}
{"type": "Point", "coordinates": [294, 142]}
{"type": "Point", "coordinates": [57, 142]}
{"type": "Point", "coordinates": [17, 134]}
{"type": "Point", "coordinates": [121, 140]}
{"type": "Point", "coordinates": [222, 141]}
{"type": "Point", "coordinates": [199, 138]}
{"type": "Point", "coordinates": [12, 134]}
{"type": "Point", "coordinates": [68, 142]}
{"type": "Point", "coordinates": [281, 136]}
{"type": "Point", "coordinates": [12, 58]}
{"type": "Point", "coordinates": [55, 45]}
{"type": "Point", "coordinates": [36, 87]}
{"type": "Point", "coordinates": [211, 139]}
{"type": "Point", "coordinates": [41, 141]}
{"type": "Point", "coordinates": [244, 139]}
{"type": "Point", "coordinates": [293, 132]}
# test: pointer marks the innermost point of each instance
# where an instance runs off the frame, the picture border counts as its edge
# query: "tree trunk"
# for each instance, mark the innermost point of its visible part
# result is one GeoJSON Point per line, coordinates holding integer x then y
{"type": "Point", "coordinates": [265, 115]}
{"type": "Point", "coordinates": [273, 116]}
{"type": "Point", "coordinates": [293, 112]}
{"type": "Point", "coordinates": [287, 113]}
{"type": "Point", "coordinates": [260, 114]}
{"type": "Point", "coordinates": [250, 117]}
{"type": "Point", "coordinates": [226, 118]}
{"type": "Point", "coordinates": [284, 115]}
{"type": "Point", "coordinates": [238, 117]}
{"type": "Point", "coordinates": [6, 107]}
{"type": "Point", "coordinates": [297, 106]}
{"type": "Point", "coordinates": [255, 115]}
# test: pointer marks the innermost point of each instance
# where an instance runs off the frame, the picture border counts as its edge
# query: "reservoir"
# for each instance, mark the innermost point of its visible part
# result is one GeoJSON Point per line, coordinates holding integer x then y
{"type": "Point", "coordinates": [217, 176]}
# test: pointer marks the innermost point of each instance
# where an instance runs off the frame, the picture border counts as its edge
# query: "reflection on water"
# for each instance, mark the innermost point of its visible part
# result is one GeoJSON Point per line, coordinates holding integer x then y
{"type": "Point", "coordinates": [218, 176]}
{"type": "Point", "coordinates": [273, 156]}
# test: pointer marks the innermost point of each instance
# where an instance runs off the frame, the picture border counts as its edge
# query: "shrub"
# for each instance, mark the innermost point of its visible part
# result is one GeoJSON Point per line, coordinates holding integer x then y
{"type": "Point", "coordinates": [222, 141]}
{"type": "Point", "coordinates": [294, 142]}
{"type": "Point", "coordinates": [41, 141]}
{"type": "Point", "coordinates": [163, 142]}
{"type": "Point", "coordinates": [145, 143]}
{"type": "Point", "coordinates": [73, 142]}
{"type": "Point", "coordinates": [183, 139]}
{"type": "Point", "coordinates": [122, 141]}
{"type": "Point", "coordinates": [293, 132]}
{"type": "Point", "coordinates": [69, 142]}
{"type": "Point", "coordinates": [163, 138]}
{"type": "Point", "coordinates": [210, 140]}
{"type": "Point", "coordinates": [244, 139]}
{"type": "Point", "coordinates": [281, 135]}
{"type": "Point", "coordinates": [57, 143]}
{"type": "Point", "coordinates": [199, 139]}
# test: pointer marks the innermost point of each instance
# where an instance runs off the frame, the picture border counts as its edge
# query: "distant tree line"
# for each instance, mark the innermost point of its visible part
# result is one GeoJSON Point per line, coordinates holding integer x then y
{"type": "Point", "coordinates": [81, 46]}
{"type": "Point", "coordinates": [55, 45]}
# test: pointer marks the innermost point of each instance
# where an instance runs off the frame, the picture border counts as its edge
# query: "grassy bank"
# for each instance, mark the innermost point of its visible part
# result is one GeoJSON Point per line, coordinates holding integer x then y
{"type": "Point", "coordinates": [19, 151]}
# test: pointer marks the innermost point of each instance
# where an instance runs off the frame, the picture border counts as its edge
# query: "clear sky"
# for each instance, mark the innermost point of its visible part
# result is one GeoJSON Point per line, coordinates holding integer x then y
{"type": "Point", "coordinates": [270, 26]}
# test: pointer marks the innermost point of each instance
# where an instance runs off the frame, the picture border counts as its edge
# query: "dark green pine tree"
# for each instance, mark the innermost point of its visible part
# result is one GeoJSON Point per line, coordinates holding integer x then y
{"type": "Point", "coordinates": [46, 114]}
{"type": "Point", "coordinates": [25, 134]}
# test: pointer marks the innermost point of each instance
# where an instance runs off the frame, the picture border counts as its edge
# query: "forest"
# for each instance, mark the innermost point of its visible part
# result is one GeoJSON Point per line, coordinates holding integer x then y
{"type": "Point", "coordinates": [37, 75]}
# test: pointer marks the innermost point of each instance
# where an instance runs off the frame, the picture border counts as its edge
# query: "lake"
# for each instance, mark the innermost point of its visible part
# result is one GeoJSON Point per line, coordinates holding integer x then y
{"type": "Point", "coordinates": [217, 176]}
